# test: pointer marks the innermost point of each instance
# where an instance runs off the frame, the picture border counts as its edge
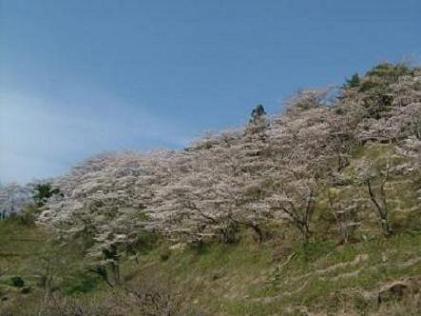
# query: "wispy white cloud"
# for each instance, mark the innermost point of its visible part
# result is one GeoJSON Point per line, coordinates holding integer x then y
{"type": "Point", "coordinates": [42, 137]}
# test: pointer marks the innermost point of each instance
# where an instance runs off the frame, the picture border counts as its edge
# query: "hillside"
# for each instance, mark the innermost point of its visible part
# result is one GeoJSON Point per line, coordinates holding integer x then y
{"type": "Point", "coordinates": [314, 211]}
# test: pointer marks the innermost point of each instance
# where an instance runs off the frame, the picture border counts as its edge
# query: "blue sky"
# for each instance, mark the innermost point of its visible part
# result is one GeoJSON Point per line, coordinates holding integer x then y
{"type": "Point", "coordinates": [85, 76]}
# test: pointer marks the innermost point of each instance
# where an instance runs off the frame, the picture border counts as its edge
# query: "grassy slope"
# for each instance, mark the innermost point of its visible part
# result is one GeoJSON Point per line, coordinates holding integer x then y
{"type": "Point", "coordinates": [28, 252]}
{"type": "Point", "coordinates": [247, 279]}
{"type": "Point", "coordinates": [277, 277]}
{"type": "Point", "coordinates": [251, 279]}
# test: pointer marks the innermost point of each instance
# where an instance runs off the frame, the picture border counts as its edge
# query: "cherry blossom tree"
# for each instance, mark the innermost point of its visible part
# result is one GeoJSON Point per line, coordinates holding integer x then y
{"type": "Point", "coordinates": [272, 170]}
{"type": "Point", "coordinates": [13, 199]}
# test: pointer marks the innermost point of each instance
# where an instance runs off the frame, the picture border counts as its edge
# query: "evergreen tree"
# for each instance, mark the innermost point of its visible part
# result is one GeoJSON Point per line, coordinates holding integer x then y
{"type": "Point", "coordinates": [43, 192]}
{"type": "Point", "coordinates": [353, 82]}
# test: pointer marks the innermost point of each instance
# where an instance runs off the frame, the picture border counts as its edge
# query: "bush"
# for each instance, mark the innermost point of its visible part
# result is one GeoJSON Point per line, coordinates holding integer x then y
{"type": "Point", "coordinates": [17, 281]}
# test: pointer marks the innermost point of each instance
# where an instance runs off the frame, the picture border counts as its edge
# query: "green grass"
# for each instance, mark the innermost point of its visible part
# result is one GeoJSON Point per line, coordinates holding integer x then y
{"type": "Point", "coordinates": [30, 253]}
{"type": "Point", "coordinates": [243, 279]}
{"type": "Point", "coordinates": [240, 279]}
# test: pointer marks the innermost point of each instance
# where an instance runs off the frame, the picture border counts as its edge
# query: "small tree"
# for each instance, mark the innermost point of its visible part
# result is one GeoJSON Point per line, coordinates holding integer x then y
{"type": "Point", "coordinates": [257, 113]}
{"type": "Point", "coordinates": [42, 192]}
{"type": "Point", "coordinates": [353, 82]}
{"type": "Point", "coordinates": [344, 209]}
{"type": "Point", "coordinates": [296, 198]}
{"type": "Point", "coordinates": [258, 123]}
{"type": "Point", "coordinates": [375, 178]}
{"type": "Point", "coordinates": [13, 199]}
